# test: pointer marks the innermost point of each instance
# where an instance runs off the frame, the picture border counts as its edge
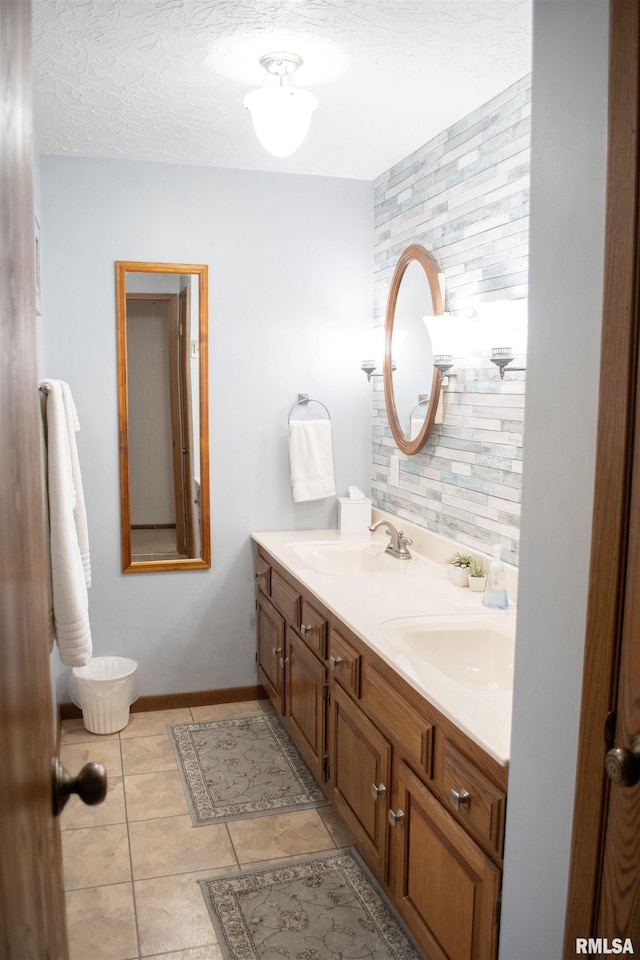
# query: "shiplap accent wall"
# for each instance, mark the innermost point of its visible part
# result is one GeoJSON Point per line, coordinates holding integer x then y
{"type": "Point", "coordinates": [463, 196]}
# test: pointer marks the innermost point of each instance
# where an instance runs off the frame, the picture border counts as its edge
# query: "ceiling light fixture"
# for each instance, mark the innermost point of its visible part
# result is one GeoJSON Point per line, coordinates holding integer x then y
{"type": "Point", "coordinates": [281, 115]}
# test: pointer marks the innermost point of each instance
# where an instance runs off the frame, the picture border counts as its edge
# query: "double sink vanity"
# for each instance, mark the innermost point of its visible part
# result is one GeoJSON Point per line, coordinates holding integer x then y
{"type": "Point", "coordinates": [396, 685]}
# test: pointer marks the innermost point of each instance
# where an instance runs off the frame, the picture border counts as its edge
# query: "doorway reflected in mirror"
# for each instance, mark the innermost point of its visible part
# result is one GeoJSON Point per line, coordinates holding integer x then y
{"type": "Point", "coordinates": [162, 321]}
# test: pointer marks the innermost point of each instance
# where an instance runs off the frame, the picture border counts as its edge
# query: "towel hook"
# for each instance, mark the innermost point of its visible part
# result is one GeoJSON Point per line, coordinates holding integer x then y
{"type": "Point", "coordinates": [303, 400]}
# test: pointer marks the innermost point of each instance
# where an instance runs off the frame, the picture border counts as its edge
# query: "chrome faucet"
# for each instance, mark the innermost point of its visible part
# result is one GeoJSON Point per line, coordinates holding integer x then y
{"type": "Point", "coordinates": [398, 543]}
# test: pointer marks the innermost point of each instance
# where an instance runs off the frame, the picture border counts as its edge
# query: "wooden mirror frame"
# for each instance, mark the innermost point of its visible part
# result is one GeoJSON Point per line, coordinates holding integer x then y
{"type": "Point", "coordinates": [412, 253]}
{"type": "Point", "coordinates": [124, 267]}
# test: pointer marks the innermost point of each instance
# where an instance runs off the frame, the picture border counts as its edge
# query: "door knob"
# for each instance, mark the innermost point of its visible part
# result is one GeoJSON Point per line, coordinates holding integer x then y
{"type": "Point", "coordinates": [90, 784]}
{"type": "Point", "coordinates": [623, 764]}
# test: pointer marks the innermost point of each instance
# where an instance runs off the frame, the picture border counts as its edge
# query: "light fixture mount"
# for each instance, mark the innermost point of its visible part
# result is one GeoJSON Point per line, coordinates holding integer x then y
{"type": "Point", "coordinates": [281, 64]}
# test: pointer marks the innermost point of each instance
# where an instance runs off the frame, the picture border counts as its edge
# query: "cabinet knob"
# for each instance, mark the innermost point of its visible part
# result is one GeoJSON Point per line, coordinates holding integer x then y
{"type": "Point", "coordinates": [395, 817]}
{"type": "Point", "coordinates": [377, 791]}
{"type": "Point", "coordinates": [306, 628]}
{"type": "Point", "coordinates": [335, 662]}
{"type": "Point", "coordinates": [283, 661]}
{"type": "Point", "coordinates": [459, 798]}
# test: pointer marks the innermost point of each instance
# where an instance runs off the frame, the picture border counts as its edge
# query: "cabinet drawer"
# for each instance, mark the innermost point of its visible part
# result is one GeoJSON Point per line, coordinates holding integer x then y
{"type": "Point", "coordinates": [344, 664]}
{"type": "Point", "coordinates": [478, 804]}
{"type": "Point", "coordinates": [263, 575]}
{"type": "Point", "coordinates": [286, 598]}
{"type": "Point", "coordinates": [313, 628]}
{"type": "Point", "coordinates": [402, 722]}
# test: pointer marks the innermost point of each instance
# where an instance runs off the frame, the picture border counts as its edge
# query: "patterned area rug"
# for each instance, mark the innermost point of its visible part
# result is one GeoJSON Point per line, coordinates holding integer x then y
{"type": "Point", "coordinates": [243, 767]}
{"type": "Point", "coordinates": [318, 908]}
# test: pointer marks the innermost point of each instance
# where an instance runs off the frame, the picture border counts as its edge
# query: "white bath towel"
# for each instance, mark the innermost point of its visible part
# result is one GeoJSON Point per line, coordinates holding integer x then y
{"type": "Point", "coordinates": [70, 568]}
{"type": "Point", "coordinates": [311, 459]}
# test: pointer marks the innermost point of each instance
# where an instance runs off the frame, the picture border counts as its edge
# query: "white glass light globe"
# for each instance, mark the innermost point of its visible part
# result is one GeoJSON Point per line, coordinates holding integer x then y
{"type": "Point", "coordinates": [281, 117]}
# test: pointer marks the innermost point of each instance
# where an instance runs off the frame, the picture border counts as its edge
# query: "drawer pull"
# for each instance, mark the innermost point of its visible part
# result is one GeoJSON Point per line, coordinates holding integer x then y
{"type": "Point", "coordinates": [335, 662]}
{"type": "Point", "coordinates": [377, 791]}
{"type": "Point", "coordinates": [395, 817]}
{"type": "Point", "coordinates": [459, 798]}
{"type": "Point", "coordinates": [306, 629]}
{"type": "Point", "coordinates": [276, 651]}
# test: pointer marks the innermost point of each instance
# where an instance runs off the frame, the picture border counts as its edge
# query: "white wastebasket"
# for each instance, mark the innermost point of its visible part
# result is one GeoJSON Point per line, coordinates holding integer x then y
{"type": "Point", "coordinates": [105, 689]}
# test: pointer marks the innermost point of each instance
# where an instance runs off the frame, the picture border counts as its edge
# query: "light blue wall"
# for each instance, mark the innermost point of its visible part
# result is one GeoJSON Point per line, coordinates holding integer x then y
{"type": "Point", "coordinates": [290, 276]}
{"type": "Point", "coordinates": [568, 167]}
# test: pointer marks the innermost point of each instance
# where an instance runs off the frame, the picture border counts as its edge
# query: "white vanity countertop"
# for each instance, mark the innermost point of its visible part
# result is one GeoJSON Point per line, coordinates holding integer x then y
{"type": "Point", "coordinates": [407, 588]}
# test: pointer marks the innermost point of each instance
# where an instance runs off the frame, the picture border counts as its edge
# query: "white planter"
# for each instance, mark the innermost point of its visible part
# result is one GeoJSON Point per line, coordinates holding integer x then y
{"type": "Point", "coordinates": [458, 575]}
{"type": "Point", "coordinates": [477, 584]}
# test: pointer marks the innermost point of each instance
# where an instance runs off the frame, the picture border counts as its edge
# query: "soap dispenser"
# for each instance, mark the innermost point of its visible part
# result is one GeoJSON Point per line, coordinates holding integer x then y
{"type": "Point", "coordinates": [495, 594]}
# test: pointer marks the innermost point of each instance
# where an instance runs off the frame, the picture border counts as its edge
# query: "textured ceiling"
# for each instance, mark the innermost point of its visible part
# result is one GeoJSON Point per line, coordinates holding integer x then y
{"type": "Point", "coordinates": [164, 79]}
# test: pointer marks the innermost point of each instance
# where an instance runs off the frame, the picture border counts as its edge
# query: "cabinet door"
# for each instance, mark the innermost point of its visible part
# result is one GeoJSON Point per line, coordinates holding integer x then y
{"type": "Point", "coordinates": [270, 627]}
{"type": "Point", "coordinates": [305, 678]}
{"type": "Point", "coordinates": [360, 767]}
{"type": "Point", "coordinates": [446, 888]}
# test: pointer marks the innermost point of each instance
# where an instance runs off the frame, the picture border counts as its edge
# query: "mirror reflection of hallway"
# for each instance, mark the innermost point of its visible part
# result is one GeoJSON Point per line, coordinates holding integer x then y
{"type": "Point", "coordinates": [162, 515]}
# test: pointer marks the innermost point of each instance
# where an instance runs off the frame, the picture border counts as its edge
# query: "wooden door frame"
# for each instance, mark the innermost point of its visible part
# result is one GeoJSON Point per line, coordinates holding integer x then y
{"type": "Point", "coordinates": [186, 433]}
{"type": "Point", "coordinates": [617, 406]}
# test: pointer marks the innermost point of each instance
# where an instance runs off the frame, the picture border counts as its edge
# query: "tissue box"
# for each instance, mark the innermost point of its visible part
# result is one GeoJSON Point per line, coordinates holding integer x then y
{"type": "Point", "coordinates": [354, 516]}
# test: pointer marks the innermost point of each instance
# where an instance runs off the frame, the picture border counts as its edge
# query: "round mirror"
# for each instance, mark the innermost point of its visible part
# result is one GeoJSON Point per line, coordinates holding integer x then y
{"type": "Point", "coordinates": [411, 382]}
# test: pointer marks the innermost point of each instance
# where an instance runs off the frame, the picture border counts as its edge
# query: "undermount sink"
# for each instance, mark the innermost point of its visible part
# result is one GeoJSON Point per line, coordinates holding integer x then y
{"type": "Point", "coordinates": [345, 558]}
{"type": "Point", "coordinates": [477, 653]}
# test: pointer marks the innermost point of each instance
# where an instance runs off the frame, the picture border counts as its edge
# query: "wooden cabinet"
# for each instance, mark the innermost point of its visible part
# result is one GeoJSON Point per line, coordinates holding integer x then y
{"type": "Point", "coordinates": [360, 777]}
{"type": "Point", "coordinates": [444, 886]}
{"type": "Point", "coordinates": [270, 630]}
{"type": "Point", "coordinates": [425, 804]}
{"type": "Point", "coordinates": [292, 638]}
{"type": "Point", "coordinates": [304, 714]}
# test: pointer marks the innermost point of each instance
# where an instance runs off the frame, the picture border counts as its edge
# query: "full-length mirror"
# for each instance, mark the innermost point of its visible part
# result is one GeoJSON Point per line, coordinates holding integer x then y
{"type": "Point", "coordinates": [163, 409]}
{"type": "Point", "coordinates": [411, 382]}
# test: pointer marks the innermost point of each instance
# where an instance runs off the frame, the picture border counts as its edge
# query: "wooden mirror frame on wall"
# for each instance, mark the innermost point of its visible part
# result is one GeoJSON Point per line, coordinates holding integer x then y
{"type": "Point", "coordinates": [203, 558]}
{"type": "Point", "coordinates": [412, 253]}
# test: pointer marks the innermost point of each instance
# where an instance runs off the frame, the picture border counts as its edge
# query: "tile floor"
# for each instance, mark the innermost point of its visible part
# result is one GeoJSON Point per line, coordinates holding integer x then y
{"type": "Point", "coordinates": [131, 865]}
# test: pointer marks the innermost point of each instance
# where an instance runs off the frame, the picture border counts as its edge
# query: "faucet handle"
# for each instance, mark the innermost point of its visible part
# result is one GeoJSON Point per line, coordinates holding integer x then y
{"type": "Point", "coordinates": [407, 541]}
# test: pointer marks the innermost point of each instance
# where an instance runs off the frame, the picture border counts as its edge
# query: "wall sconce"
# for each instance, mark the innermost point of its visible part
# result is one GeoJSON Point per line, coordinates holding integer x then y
{"type": "Point", "coordinates": [504, 321]}
{"type": "Point", "coordinates": [502, 357]}
{"type": "Point", "coordinates": [281, 115]}
{"type": "Point", "coordinates": [370, 367]}
{"type": "Point", "coordinates": [375, 348]}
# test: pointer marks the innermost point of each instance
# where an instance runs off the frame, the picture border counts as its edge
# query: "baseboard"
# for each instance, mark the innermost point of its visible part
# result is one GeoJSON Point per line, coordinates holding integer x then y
{"type": "Point", "coordinates": [173, 701]}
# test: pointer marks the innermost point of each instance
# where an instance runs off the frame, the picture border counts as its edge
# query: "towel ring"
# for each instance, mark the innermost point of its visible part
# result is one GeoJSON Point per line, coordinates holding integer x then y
{"type": "Point", "coordinates": [303, 400]}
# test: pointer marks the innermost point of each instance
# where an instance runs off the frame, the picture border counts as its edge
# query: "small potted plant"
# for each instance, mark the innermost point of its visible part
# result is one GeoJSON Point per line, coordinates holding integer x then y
{"type": "Point", "coordinates": [458, 567]}
{"type": "Point", "coordinates": [477, 576]}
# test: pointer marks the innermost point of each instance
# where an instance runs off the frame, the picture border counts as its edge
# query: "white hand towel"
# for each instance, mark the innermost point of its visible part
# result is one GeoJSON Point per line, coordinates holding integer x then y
{"type": "Point", "coordinates": [311, 459]}
{"type": "Point", "coordinates": [79, 510]}
{"type": "Point", "coordinates": [69, 569]}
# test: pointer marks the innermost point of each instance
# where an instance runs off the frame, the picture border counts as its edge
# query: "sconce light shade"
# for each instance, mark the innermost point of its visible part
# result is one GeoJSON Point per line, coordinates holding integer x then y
{"type": "Point", "coordinates": [440, 334]}
{"type": "Point", "coordinates": [280, 115]}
